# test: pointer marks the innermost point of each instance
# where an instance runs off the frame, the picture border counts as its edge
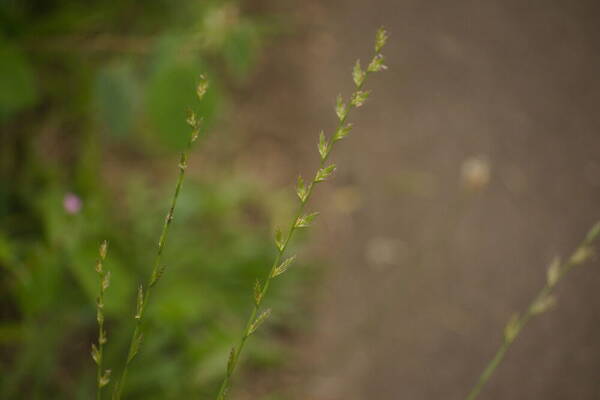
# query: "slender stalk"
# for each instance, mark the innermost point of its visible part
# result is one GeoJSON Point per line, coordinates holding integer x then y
{"type": "Point", "coordinates": [541, 303]}
{"type": "Point", "coordinates": [102, 377]}
{"type": "Point", "coordinates": [302, 220]}
{"type": "Point", "coordinates": [158, 269]}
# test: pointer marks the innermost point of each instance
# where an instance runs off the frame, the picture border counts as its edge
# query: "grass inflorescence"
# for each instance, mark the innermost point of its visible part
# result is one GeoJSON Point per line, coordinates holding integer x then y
{"type": "Point", "coordinates": [102, 376]}
{"type": "Point", "coordinates": [158, 269]}
{"type": "Point", "coordinates": [304, 190]}
{"type": "Point", "coordinates": [541, 303]}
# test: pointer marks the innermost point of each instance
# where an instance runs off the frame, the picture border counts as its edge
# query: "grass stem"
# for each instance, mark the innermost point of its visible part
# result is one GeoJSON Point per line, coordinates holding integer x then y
{"type": "Point", "coordinates": [541, 303]}
{"type": "Point", "coordinates": [158, 268]}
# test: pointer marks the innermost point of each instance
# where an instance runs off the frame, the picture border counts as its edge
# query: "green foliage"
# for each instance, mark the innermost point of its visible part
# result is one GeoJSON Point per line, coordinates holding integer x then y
{"type": "Point", "coordinates": [129, 76]}
{"type": "Point", "coordinates": [88, 79]}
{"type": "Point", "coordinates": [116, 99]}
{"type": "Point", "coordinates": [213, 257]}
{"type": "Point", "coordinates": [17, 80]}
{"type": "Point", "coordinates": [227, 253]}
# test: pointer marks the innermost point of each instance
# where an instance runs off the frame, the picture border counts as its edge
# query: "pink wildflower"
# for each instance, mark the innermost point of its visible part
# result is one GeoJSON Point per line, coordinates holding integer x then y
{"type": "Point", "coordinates": [72, 203]}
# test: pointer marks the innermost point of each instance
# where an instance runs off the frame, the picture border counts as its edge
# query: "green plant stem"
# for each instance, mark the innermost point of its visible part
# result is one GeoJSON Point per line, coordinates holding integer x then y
{"type": "Point", "coordinates": [493, 364]}
{"type": "Point", "coordinates": [541, 303]}
{"type": "Point", "coordinates": [236, 352]}
{"type": "Point", "coordinates": [156, 273]}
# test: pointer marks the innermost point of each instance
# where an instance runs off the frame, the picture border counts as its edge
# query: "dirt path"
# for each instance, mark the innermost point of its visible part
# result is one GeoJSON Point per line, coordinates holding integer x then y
{"type": "Point", "coordinates": [425, 275]}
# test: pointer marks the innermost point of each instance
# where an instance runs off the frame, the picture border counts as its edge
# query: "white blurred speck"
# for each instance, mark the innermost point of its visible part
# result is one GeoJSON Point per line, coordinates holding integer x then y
{"type": "Point", "coordinates": [382, 252]}
{"type": "Point", "coordinates": [475, 173]}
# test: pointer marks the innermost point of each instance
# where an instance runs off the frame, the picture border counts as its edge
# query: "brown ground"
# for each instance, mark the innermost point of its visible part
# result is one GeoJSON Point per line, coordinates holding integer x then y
{"type": "Point", "coordinates": [424, 276]}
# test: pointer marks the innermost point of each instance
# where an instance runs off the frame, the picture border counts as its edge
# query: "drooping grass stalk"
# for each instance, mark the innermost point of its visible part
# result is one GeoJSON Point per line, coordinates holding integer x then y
{"type": "Point", "coordinates": [158, 269]}
{"type": "Point", "coordinates": [102, 377]}
{"type": "Point", "coordinates": [304, 191]}
{"type": "Point", "coordinates": [540, 304]}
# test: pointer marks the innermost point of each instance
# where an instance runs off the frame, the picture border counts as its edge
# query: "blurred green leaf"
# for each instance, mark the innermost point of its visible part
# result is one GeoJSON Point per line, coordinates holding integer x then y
{"type": "Point", "coordinates": [128, 70]}
{"type": "Point", "coordinates": [240, 50]}
{"type": "Point", "coordinates": [18, 88]}
{"type": "Point", "coordinates": [116, 94]}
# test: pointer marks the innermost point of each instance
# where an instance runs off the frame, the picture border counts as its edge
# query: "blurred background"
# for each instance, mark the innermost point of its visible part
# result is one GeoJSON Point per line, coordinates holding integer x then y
{"type": "Point", "coordinates": [474, 163]}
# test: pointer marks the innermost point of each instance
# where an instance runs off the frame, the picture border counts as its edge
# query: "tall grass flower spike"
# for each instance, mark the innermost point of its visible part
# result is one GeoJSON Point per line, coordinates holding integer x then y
{"type": "Point", "coordinates": [158, 268]}
{"type": "Point", "coordinates": [304, 191]}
